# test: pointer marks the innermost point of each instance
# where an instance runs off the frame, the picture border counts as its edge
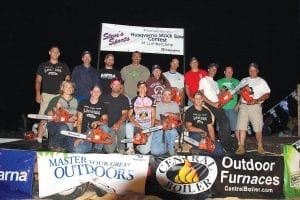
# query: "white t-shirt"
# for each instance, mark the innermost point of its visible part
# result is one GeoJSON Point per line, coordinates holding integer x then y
{"type": "Point", "coordinates": [210, 88]}
{"type": "Point", "coordinates": [259, 87]}
{"type": "Point", "coordinates": [175, 79]}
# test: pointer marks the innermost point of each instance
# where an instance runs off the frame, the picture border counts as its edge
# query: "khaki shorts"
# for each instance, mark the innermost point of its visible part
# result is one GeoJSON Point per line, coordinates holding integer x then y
{"type": "Point", "coordinates": [44, 104]}
{"type": "Point", "coordinates": [250, 113]}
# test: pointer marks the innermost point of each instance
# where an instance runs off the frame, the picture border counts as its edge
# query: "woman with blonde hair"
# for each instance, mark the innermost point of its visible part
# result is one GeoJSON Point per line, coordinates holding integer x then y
{"type": "Point", "coordinates": [64, 103]}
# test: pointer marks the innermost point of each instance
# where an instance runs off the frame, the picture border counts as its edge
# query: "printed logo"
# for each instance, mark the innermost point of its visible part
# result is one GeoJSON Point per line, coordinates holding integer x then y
{"type": "Point", "coordinates": [187, 174]}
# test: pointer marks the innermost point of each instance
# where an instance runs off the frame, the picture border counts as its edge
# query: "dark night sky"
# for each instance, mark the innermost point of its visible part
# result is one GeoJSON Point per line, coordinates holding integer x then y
{"type": "Point", "coordinates": [227, 32]}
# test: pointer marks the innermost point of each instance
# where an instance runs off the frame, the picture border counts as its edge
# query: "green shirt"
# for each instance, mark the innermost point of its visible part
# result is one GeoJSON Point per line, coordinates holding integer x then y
{"type": "Point", "coordinates": [229, 83]}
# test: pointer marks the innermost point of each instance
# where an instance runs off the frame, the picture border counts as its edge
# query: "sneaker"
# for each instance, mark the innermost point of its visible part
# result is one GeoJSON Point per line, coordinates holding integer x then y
{"type": "Point", "coordinates": [130, 151]}
{"type": "Point", "coordinates": [241, 150]}
{"type": "Point", "coordinates": [260, 149]}
{"type": "Point", "coordinates": [121, 151]}
{"type": "Point", "coordinates": [194, 151]}
{"type": "Point", "coordinates": [39, 140]}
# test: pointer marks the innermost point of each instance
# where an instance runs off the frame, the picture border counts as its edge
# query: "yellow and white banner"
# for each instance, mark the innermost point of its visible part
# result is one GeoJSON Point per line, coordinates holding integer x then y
{"type": "Point", "coordinates": [111, 172]}
{"type": "Point", "coordinates": [123, 38]}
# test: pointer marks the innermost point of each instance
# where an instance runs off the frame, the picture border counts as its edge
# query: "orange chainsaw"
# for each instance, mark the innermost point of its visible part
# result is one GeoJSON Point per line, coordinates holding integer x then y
{"type": "Point", "coordinates": [247, 94]}
{"type": "Point", "coordinates": [205, 143]}
{"type": "Point", "coordinates": [168, 122]}
{"type": "Point", "coordinates": [95, 135]}
{"type": "Point", "coordinates": [225, 95]}
{"type": "Point", "coordinates": [175, 96]}
{"type": "Point", "coordinates": [60, 115]}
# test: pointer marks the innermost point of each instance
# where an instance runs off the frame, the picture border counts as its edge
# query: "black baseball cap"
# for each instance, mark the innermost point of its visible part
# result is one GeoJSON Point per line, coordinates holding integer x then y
{"type": "Point", "coordinates": [141, 83]}
{"type": "Point", "coordinates": [156, 66]}
{"type": "Point", "coordinates": [86, 52]}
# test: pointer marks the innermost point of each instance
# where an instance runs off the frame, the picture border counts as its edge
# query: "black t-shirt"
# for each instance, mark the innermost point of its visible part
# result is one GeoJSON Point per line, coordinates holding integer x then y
{"type": "Point", "coordinates": [114, 106]}
{"type": "Point", "coordinates": [91, 112]}
{"type": "Point", "coordinates": [52, 76]}
{"type": "Point", "coordinates": [105, 76]}
{"type": "Point", "coordinates": [199, 118]}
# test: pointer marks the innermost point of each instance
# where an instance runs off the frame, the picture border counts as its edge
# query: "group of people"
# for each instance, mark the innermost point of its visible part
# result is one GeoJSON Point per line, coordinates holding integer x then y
{"type": "Point", "coordinates": [122, 102]}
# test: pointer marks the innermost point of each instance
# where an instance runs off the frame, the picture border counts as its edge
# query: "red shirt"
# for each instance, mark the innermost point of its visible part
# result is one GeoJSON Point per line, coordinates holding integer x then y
{"type": "Point", "coordinates": [192, 80]}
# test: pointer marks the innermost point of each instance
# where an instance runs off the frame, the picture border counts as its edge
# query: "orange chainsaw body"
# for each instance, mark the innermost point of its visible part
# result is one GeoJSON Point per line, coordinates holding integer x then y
{"type": "Point", "coordinates": [224, 97]}
{"type": "Point", "coordinates": [246, 93]}
{"type": "Point", "coordinates": [98, 135]}
{"type": "Point", "coordinates": [168, 122]}
{"type": "Point", "coordinates": [140, 138]}
{"type": "Point", "coordinates": [206, 144]}
{"type": "Point", "coordinates": [61, 115]}
{"type": "Point", "coordinates": [176, 97]}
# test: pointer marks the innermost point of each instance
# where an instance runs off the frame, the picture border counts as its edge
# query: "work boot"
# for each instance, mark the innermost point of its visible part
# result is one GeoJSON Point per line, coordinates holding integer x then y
{"type": "Point", "coordinates": [241, 150]}
{"type": "Point", "coordinates": [130, 151]}
{"type": "Point", "coordinates": [260, 149]}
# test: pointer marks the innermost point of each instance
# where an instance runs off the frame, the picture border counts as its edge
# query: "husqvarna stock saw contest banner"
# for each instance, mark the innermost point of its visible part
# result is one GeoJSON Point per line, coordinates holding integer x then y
{"type": "Point", "coordinates": [115, 37]}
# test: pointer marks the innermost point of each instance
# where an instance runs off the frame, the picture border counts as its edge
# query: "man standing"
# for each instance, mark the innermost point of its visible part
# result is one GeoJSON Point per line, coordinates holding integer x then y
{"type": "Point", "coordinates": [176, 79]}
{"type": "Point", "coordinates": [209, 87]}
{"type": "Point", "coordinates": [133, 73]}
{"type": "Point", "coordinates": [230, 108]}
{"type": "Point", "coordinates": [252, 111]}
{"type": "Point", "coordinates": [85, 77]}
{"type": "Point", "coordinates": [192, 78]}
{"type": "Point", "coordinates": [117, 108]}
{"type": "Point", "coordinates": [107, 73]}
{"type": "Point", "coordinates": [48, 78]}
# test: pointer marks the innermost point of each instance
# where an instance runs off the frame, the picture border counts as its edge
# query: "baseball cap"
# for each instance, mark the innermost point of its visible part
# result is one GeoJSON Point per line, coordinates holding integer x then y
{"type": "Point", "coordinates": [193, 58]}
{"type": "Point", "coordinates": [116, 79]}
{"type": "Point", "coordinates": [155, 66]}
{"type": "Point", "coordinates": [141, 83]}
{"type": "Point", "coordinates": [86, 52]}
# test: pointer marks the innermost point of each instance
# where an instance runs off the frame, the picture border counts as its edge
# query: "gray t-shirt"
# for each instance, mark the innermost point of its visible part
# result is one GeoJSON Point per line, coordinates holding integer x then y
{"type": "Point", "coordinates": [162, 108]}
{"type": "Point", "coordinates": [131, 76]}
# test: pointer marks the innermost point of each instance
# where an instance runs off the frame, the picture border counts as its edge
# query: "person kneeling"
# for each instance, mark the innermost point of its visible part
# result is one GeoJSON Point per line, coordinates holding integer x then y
{"type": "Point", "coordinates": [141, 116]}
{"type": "Point", "coordinates": [91, 114]}
{"type": "Point", "coordinates": [163, 141]}
{"type": "Point", "coordinates": [199, 123]}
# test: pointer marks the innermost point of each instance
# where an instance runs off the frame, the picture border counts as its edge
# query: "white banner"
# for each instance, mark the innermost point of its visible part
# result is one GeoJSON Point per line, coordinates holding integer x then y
{"type": "Point", "coordinates": [123, 38]}
{"type": "Point", "coordinates": [111, 172]}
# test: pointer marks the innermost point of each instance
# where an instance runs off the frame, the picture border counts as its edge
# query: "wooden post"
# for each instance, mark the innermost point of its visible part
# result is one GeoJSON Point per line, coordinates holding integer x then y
{"type": "Point", "coordinates": [298, 95]}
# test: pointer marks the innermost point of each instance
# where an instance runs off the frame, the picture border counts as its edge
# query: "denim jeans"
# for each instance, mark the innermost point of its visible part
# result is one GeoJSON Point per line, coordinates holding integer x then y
{"type": "Point", "coordinates": [55, 138]}
{"type": "Point", "coordinates": [163, 142]}
{"type": "Point", "coordinates": [217, 152]}
{"type": "Point", "coordinates": [232, 116]}
{"type": "Point", "coordinates": [85, 146]}
{"type": "Point", "coordinates": [143, 149]}
{"type": "Point", "coordinates": [117, 137]}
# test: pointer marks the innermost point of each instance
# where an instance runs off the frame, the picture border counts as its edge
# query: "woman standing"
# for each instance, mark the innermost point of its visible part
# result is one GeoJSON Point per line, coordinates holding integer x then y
{"type": "Point", "coordinates": [156, 84]}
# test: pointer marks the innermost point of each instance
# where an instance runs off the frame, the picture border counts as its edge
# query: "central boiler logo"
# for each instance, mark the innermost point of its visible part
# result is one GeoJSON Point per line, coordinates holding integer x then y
{"type": "Point", "coordinates": [187, 174]}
